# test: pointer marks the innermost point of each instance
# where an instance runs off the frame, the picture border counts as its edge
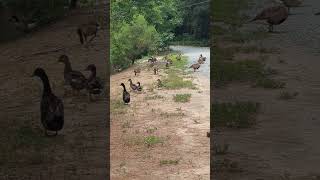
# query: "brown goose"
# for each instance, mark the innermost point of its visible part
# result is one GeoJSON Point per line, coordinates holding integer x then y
{"type": "Point", "coordinates": [195, 66]}
{"type": "Point", "coordinates": [273, 15]}
{"type": "Point", "coordinates": [133, 86]}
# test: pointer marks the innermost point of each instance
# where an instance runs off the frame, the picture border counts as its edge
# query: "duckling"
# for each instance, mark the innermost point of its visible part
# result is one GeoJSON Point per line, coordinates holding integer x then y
{"type": "Point", "coordinates": [133, 86]}
{"type": "Point", "coordinates": [273, 15]}
{"type": "Point", "coordinates": [73, 78]}
{"type": "Point", "coordinates": [159, 83]}
{"type": "Point", "coordinates": [195, 66]}
{"type": "Point", "coordinates": [125, 95]}
{"type": "Point", "coordinates": [136, 71]}
{"type": "Point", "coordinates": [51, 107]}
{"type": "Point", "coordinates": [94, 83]}
{"type": "Point", "coordinates": [139, 86]}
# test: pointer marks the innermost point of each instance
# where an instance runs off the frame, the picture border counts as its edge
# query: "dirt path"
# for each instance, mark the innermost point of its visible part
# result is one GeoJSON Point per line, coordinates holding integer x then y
{"type": "Point", "coordinates": [80, 148]}
{"type": "Point", "coordinates": [183, 150]}
{"type": "Point", "coordinates": [285, 138]}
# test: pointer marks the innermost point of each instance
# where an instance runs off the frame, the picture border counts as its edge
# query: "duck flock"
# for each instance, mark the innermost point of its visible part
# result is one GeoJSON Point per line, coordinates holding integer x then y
{"type": "Point", "coordinates": [155, 64]}
{"type": "Point", "coordinates": [51, 106]}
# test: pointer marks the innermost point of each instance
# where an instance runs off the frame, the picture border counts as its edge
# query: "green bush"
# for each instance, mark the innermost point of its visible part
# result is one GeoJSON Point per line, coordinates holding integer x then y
{"type": "Point", "coordinates": [132, 40]}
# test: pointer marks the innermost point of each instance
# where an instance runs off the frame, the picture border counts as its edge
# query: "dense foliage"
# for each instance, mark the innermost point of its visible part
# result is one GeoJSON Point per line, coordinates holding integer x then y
{"type": "Point", "coordinates": [140, 27]}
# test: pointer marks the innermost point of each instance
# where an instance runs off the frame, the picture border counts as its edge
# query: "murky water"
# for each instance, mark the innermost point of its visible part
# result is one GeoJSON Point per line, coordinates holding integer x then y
{"type": "Point", "coordinates": [193, 54]}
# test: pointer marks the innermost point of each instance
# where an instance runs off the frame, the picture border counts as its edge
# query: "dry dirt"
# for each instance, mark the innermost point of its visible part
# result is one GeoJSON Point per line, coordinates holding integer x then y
{"type": "Point", "coordinates": [182, 128]}
{"type": "Point", "coordinates": [286, 137]}
{"type": "Point", "coordinates": [80, 149]}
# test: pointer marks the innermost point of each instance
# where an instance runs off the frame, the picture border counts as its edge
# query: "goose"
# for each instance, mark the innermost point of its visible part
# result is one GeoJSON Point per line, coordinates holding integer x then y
{"type": "Point", "coordinates": [139, 86]}
{"type": "Point", "coordinates": [195, 66]}
{"type": "Point", "coordinates": [133, 86]}
{"type": "Point", "coordinates": [73, 78]}
{"type": "Point", "coordinates": [136, 71]}
{"type": "Point", "coordinates": [51, 107]}
{"type": "Point", "coordinates": [291, 3]}
{"type": "Point", "coordinates": [125, 95]}
{"type": "Point", "coordinates": [273, 15]}
{"type": "Point", "coordinates": [94, 83]}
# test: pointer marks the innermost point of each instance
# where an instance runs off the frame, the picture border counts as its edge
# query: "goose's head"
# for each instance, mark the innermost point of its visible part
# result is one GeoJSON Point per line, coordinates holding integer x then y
{"type": "Point", "coordinates": [63, 59]}
{"type": "Point", "coordinates": [39, 72]}
{"type": "Point", "coordinates": [122, 85]}
{"type": "Point", "coordinates": [91, 68]}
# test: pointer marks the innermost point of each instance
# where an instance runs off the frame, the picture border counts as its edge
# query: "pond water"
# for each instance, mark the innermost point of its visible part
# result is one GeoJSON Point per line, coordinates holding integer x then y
{"type": "Point", "coordinates": [193, 54]}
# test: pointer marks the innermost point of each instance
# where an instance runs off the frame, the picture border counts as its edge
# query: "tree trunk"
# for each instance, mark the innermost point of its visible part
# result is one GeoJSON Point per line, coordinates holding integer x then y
{"type": "Point", "coordinates": [73, 4]}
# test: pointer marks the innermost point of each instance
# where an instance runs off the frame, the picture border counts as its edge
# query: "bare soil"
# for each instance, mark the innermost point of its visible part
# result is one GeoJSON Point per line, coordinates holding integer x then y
{"type": "Point", "coordinates": [183, 152]}
{"type": "Point", "coordinates": [80, 149]}
{"type": "Point", "coordinates": [285, 139]}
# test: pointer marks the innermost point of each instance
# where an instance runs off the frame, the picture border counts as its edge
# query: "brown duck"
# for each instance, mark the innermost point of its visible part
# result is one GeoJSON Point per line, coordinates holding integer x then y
{"type": "Point", "coordinates": [273, 15]}
{"type": "Point", "coordinates": [195, 66]}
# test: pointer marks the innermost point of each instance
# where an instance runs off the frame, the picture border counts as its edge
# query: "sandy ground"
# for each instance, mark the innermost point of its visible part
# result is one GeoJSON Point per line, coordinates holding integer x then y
{"type": "Point", "coordinates": [80, 149]}
{"type": "Point", "coordinates": [181, 126]}
{"type": "Point", "coordinates": [285, 138]}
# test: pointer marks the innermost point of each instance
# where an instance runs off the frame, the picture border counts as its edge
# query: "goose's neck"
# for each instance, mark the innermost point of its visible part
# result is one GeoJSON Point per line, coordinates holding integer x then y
{"type": "Point", "coordinates": [124, 88]}
{"type": "Point", "coordinates": [46, 85]}
{"type": "Point", "coordinates": [67, 67]}
{"type": "Point", "coordinates": [92, 75]}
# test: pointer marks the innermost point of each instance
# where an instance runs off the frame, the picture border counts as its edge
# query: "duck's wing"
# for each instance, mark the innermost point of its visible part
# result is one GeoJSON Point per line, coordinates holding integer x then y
{"type": "Point", "coordinates": [77, 77]}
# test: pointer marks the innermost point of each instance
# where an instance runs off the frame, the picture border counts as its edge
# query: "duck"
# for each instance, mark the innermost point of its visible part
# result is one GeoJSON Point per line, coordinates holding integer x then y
{"type": "Point", "coordinates": [200, 61]}
{"type": "Point", "coordinates": [136, 71]}
{"type": "Point", "coordinates": [139, 86]}
{"type": "Point", "coordinates": [73, 78]}
{"type": "Point", "coordinates": [133, 86]}
{"type": "Point", "coordinates": [274, 15]}
{"type": "Point", "coordinates": [22, 25]}
{"type": "Point", "coordinates": [291, 3]}
{"type": "Point", "coordinates": [159, 83]}
{"type": "Point", "coordinates": [202, 58]}
{"type": "Point", "coordinates": [195, 66]}
{"type": "Point", "coordinates": [208, 134]}
{"type": "Point", "coordinates": [125, 94]}
{"type": "Point", "coordinates": [51, 107]}
{"type": "Point", "coordinates": [94, 84]}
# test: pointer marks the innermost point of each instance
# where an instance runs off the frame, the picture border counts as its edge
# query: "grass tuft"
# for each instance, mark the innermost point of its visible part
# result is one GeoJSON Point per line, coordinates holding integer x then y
{"type": "Point", "coordinates": [235, 115]}
{"type": "Point", "coordinates": [183, 98]}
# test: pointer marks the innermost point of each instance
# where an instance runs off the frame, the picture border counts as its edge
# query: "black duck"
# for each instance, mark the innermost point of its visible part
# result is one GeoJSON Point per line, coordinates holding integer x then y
{"type": "Point", "coordinates": [73, 78]}
{"type": "Point", "coordinates": [273, 15]}
{"type": "Point", "coordinates": [125, 95]}
{"type": "Point", "coordinates": [94, 83]}
{"type": "Point", "coordinates": [51, 107]}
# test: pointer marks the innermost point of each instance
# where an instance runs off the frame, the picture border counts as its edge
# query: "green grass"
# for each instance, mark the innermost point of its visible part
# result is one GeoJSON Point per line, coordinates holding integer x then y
{"type": "Point", "coordinates": [169, 162]}
{"type": "Point", "coordinates": [234, 115]}
{"type": "Point", "coordinates": [154, 97]}
{"type": "Point", "coordinates": [179, 64]}
{"type": "Point", "coordinates": [269, 83]}
{"type": "Point", "coordinates": [117, 106]}
{"type": "Point", "coordinates": [226, 72]}
{"type": "Point", "coordinates": [152, 140]}
{"type": "Point", "coordinates": [183, 98]}
{"type": "Point", "coordinates": [173, 81]}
